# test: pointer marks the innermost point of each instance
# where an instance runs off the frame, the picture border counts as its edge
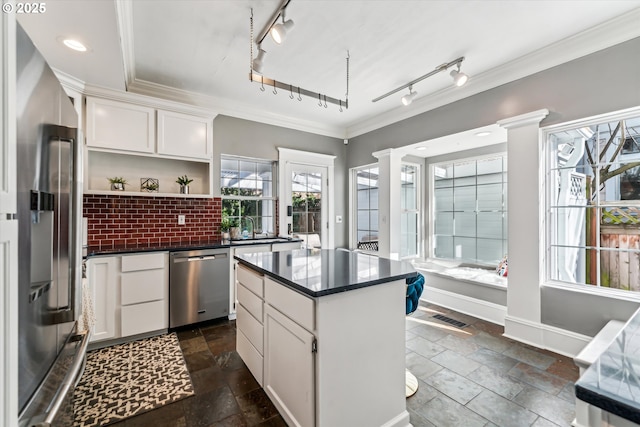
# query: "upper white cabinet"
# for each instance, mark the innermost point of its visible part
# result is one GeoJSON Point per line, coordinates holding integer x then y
{"type": "Point", "coordinates": [137, 141]}
{"type": "Point", "coordinates": [184, 135]}
{"type": "Point", "coordinates": [120, 126]}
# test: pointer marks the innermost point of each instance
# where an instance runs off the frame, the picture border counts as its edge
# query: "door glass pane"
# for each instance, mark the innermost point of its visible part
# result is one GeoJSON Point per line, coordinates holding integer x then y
{"type": "Point", "coordinates": [306, 195]}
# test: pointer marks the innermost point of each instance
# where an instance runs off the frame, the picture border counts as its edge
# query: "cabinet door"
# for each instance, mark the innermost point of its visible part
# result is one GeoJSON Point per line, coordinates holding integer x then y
{"type": "Point", "coordinates": [103, 276]}
{"type": "Point", "coordinates": [289, 368]}
{"type": "Point", "coordinates": [184, 135]}
{"type": "Point", "coordinates": [120, 126]}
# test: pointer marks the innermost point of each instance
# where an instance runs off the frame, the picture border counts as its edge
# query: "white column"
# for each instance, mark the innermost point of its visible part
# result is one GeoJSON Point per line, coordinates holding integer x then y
{"type": "Point", "coordinates": [389, 166]}
{"type": "Point", "coordinates": [526, 230]}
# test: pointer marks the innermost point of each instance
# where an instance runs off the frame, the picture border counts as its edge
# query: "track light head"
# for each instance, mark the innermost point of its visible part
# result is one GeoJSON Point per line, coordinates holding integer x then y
{"type": "Point", "coordinates": [459, 78]}
{"type": "Point", "coordinates": [258, 62]}
{"type": "Point", "coordinates": [279, 31]}
{"type": "Point", "coordinates": [408, 98]}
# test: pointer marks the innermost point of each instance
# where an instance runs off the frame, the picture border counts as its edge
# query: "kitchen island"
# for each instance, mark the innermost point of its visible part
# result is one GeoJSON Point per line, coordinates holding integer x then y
{"type": "Point", "coordinates": [323, 332]}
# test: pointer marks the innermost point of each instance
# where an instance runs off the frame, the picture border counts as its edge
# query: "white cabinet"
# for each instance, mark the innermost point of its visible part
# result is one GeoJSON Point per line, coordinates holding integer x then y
{"type": "Point", "coordinates": [120, 125]}
{"type": "Point", "coordinates": [130, 294]}
{"type": "Point", "coordinates": [103, 275]}
{"type": "Point", "coordinates": [289, 368]}
{"type": "Point", "coordinates": [184, 135]}
{"type": "Point", "coordinates": [249, 320]}
{"type": "Point", "coordinates": [124, 139]}
{"type": "Point", "coordinates": [326, 361]}
{"type": "Point", "coordinates": [144, 293]}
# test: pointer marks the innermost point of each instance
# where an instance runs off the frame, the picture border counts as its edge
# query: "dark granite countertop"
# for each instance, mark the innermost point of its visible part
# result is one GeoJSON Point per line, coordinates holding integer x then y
{"type": "Point", "coordinates": [318, 272]}
{"type": "Point", "coordinates": [183, 246]}
{"type": "Point", "coordinates": [612, 383]}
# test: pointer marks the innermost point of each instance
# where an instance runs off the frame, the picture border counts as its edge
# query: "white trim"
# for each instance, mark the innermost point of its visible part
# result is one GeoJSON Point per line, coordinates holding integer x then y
{"type": "Point", "coordinates": [68, 81]}
{"type": "Point", "coordinates": [617, 30]}
{"type": "Point", "coordinates": [544, 336]}
{"type": "Point", "coordinates": [286, 157]}
{"type": "Point", "coordinates": [523, 119]}
{"type": "Point", "coordinates": [124, 17]}
{"type": "Point", "coordinates": [606, 117]}
{"type": "Point", "coordinates": [233, 108]}
{"type": "Point", "coordinates": [353, 207]}
{"type": "Point", "coordinates": [400, 420]}
{"type": "Point", "coordinates": [147, 101]}
{"type": "Point", "coordinates": [494, 313]}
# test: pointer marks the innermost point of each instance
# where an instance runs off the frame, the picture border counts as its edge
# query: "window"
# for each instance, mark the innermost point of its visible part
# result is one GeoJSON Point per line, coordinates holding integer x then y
{"type": "Point", "coordinates": [410, 216]}
{"type": "Point", "coordinates": [247, 190]}
{"type": "Point", "coordinates": [470, 210]}
{"type": "Point", "coordinates": [592, 180]}
{"type": "Point", "coordinates": [366, 186]}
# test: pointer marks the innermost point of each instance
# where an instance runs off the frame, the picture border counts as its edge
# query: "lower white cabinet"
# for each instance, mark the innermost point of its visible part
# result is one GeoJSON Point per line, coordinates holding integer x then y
{"type": "Point", "coordinates": [130, 294]}
{"type": "Point", "coordinates": [103, 274]}
{"type": "Point", "coordinates": [289, 367]}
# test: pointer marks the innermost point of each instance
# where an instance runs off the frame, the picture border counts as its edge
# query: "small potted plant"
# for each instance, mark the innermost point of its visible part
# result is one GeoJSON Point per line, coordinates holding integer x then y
{"type": "Point", "coordinates": [225, 225]}
{"type": "Point", "coordinates": [117, 183]}
{"type": "Point", "coordinates": [184, 182]}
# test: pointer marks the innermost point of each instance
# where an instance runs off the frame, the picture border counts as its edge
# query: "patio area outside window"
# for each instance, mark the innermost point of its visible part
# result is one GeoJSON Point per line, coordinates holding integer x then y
{"type": "Point", "coordinates": [593, 203]}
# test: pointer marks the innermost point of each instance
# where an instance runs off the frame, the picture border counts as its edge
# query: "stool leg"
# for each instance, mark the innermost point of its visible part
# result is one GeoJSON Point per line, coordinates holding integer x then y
{"type": "Point", "coordinates": [411, 384]}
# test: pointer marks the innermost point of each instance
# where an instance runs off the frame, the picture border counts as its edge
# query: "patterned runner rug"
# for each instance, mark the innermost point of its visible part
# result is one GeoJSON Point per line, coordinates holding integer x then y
{"type": "Point", "coordinates": [129, 379]}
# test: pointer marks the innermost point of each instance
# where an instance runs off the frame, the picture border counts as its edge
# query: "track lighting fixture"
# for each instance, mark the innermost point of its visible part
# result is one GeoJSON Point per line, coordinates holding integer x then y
{"type": "Point", "coordinates": [408, 98]}
{"type": "Point", "coordinates": [279, 31]}
{"type": "Point", "coordinates": [258, 62]}
{"type": "Point", "coordinates": [459, 78]}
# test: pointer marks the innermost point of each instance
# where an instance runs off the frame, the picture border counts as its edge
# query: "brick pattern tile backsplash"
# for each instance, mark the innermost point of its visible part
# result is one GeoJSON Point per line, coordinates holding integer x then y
{"type": "Point", "coordinates": [135, 220]}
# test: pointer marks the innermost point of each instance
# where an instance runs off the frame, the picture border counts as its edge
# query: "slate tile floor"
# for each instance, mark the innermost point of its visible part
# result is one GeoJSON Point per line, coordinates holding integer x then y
{"type": "Point", "coordinates": [467, 377]}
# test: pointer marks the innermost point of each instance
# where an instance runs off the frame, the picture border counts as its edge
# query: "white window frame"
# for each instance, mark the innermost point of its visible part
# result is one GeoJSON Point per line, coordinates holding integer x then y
{"type": "Point", "coordinates": [545, 202]}
{"type": "Point", "coordinates": [432, 204]}
{"type": "Point", "coordinates": [274, 186]}
{"type": "Point", "coordinates": [419, 209]}
{"type": "Point", "coordinates": [353, 206]}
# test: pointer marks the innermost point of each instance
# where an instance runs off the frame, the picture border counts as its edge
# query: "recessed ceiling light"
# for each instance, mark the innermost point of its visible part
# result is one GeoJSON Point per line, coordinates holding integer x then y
{"type": "Point", "coordinates": [75, 45]}
{"type": "Point", "coordinates": [485, 133]}
{"type": "Point", "coordinates": [421, 148]}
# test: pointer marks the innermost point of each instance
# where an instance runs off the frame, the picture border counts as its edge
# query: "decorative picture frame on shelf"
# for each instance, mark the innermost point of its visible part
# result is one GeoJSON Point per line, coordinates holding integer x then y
{"type": "Point", "coordinates": [149, 185]}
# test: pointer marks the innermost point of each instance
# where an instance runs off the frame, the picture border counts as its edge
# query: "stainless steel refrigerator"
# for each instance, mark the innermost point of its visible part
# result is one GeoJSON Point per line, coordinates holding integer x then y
{"type": "Point", "coordinates": [51, 353]}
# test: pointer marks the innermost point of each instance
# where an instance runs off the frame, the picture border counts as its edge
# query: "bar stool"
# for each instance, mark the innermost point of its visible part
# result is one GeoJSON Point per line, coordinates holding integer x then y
{"type": "Point", "coordinates": [415, 286]}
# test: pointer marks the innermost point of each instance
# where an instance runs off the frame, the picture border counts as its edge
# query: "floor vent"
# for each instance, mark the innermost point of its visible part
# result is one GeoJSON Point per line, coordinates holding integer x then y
{"type": "Point", "coordinates": [454, 322]}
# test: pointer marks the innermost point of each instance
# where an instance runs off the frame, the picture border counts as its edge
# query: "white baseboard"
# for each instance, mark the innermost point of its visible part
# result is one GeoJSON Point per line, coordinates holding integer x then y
{"type": "Point", "coordinates": [401, 420]}
{"type": "Point", "coordinates": [484, 310]}
{"type": "Point", "coordinates": [544, 336]}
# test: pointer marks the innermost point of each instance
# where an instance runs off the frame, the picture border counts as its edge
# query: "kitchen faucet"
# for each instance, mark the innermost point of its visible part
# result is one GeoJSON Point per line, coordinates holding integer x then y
{"type": "Point", "coordinates": [253, 226]}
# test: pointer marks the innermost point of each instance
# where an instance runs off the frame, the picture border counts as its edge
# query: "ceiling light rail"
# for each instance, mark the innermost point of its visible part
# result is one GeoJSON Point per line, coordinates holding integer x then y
{"type": "Point", "coordinates": [256, 65]}
{"type": "Point", "coordinates": [459, 78]}
{"type": "Point", "coordinates": [323, 100]}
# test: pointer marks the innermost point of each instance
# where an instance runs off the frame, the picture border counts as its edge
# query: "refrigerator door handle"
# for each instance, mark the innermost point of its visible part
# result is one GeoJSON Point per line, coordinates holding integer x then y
{"type": "Point", "coordinates": [70, 380]}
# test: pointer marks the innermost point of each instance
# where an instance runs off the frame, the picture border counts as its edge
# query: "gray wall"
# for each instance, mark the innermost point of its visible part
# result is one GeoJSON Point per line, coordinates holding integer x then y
{"type": "Point", "coordinates": [252, 139]}
{"type": "Point", "coordinates": [605, 81]}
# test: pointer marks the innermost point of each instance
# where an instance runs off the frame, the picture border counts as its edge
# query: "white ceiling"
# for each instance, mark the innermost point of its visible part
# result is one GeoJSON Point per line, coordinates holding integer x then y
{"type": "Point", "coordinates": [198, 51]}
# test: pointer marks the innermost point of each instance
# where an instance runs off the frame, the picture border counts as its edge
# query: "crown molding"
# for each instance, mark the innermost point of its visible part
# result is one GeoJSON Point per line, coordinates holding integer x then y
{"type": "Point", "coordinates": [124, 16]}
{"type": "Point", "coordinates": [534, 117]}
{"type": "Point", "coordinates": [68, 81]}
{"type": "Point", "coordinates": [617, 30]}
{"type": "Point", "coordinates": [233, 109]}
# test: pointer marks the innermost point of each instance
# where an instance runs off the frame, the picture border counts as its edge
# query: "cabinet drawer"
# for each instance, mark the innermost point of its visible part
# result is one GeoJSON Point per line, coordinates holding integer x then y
{"type": "Point", "coordinates": [250, 327]}
{"type": "Point", "coordinates": [279, 247]}
{"type": "Point", "coordinates": [249, 249]}
{"type": "Point", "coordinates": [145, 317]}
{"type": "Point", "coordinates": [142, 286]}
{"type": "Point", "coordinates": [250, 280]}
{"type": "Point", "coordinates": [143, 261]}
{"type": "Point", "coordinates": [250, 356]}
{"type": "Point", "coordinates": [297, 307]}
{"type": "Point", "coordinates": [251, 302]}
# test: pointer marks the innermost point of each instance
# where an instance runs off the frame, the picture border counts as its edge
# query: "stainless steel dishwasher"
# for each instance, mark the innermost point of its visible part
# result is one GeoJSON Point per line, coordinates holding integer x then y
{"type": "Point", "coordinates": [198, 286]}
